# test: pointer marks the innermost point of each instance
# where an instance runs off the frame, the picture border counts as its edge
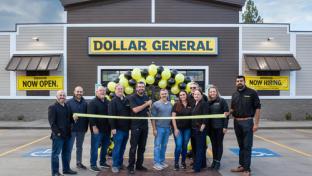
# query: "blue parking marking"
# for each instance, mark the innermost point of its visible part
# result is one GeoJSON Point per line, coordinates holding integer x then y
{"type": "Point", "coordinates": [258, 152]}
{"type": "Point", "coordinates": [41, 152]}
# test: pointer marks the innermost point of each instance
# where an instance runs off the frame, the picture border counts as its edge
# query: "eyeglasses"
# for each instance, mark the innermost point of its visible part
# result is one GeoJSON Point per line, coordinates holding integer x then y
{"type": "Point", "coordinates": [193, 87]}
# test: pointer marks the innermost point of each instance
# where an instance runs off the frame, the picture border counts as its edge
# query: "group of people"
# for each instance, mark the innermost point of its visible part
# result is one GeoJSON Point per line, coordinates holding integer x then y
{"type": "Point", "coordinates": [132, 110]}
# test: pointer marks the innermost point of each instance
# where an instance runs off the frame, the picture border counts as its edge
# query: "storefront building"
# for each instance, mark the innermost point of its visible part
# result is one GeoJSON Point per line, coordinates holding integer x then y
{"type": "Point", "coordinates": [202, 39]}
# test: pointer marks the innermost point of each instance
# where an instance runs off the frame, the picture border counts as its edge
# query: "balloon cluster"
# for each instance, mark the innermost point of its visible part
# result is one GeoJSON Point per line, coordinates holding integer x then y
{"type": "Point", "coordinates": [157, 76]}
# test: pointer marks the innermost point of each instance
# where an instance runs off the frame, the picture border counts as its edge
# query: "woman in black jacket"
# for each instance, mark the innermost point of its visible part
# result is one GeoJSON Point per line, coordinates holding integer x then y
{"type": "Point", "coordinates": [199, 131]}
{"type": "Point", "coordinates": [218, 127]}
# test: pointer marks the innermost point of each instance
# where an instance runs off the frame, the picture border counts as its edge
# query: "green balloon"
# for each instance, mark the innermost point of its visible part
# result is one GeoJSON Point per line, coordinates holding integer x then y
{"type": "Point", "coordinates": [162, 84]}
{"type": "Point", "coordinates": [124, 82]}
{"type": "Point", "coordinates": [136, 74]}
{"type": "Point", "coordinates": [150, 80]}
{"type": "Point", "coordinates": [175, 89]}
{"type": "Point", "coordinates": [166, 74]}
{"type": "Point", "coordinates": [188, 87]}
{"type": "Point", "coordinates": [152, 70]}
{"type": "Point", "coordinates": [179, 78]}
{"type": "Point", "coordinates": [111, 86]}
{"type": "Point", "coordinates": [128, 90]}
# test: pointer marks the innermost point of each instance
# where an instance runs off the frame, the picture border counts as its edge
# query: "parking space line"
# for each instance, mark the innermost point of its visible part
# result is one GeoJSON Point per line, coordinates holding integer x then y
{"type": "Point", "coordinates": [284, 146]}
{"type": "Point", "coordinates": [305, 131]}
{"type": "Point", "coordinates": [23, 146]}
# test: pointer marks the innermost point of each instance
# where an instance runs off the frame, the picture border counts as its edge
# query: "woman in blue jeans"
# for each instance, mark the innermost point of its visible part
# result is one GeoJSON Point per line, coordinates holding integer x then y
{"type": "Point", "coordinates": [182, 129]}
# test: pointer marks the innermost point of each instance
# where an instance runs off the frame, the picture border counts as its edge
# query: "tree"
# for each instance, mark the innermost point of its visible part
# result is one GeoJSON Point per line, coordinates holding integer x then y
{"type": "Point", "coordinates": [251, 14]}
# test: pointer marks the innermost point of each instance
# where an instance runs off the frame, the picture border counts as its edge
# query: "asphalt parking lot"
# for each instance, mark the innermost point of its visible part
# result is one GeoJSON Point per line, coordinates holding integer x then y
{"type": "Point", "coordinates": [276, 152]}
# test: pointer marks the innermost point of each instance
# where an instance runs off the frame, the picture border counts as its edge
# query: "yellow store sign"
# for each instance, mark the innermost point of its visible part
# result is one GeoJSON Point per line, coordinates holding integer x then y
{"type": "Point", "coordinates": [268, 82]}
{"type": "Point", "coordinates": [153, 45]}
{"type": "Point", "coordinates": [40, 82]}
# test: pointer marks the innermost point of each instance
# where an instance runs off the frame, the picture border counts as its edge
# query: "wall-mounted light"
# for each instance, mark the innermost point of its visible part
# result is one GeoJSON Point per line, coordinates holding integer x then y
{"type": "Point", "coordinates": [36, 39]}
{"type": "Point", "coordinates": [270, 39]}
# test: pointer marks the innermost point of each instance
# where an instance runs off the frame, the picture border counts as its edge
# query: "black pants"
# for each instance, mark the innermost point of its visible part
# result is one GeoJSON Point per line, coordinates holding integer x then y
{"type": "Point", "coordinates": [216, 136]}
{"type": "Point", "coordinates": [199, 156]}
{"type": "Point", "coordinates": [137, 142]}
{"type": "Point", "coordinates": [244, 135]}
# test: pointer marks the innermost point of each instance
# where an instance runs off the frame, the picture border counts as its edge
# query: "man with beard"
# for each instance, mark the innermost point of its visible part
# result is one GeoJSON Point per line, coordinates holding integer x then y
{"type": "Point", "coordinates": [245, 106]}
{"type": "Point", "coordinates": [139, 104]}
{"type": "Point", "coordinates": [60, 123]}
{"type": "Point", "coordinates": [77, 104]}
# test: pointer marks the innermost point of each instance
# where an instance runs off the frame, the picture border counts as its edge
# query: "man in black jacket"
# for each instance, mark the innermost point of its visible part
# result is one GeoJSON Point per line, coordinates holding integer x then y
{"type": "Point", "coordinates": [77, 104]}
{"type": "Point", "coordinates": [100, 129]}
{"type": "Point", "coordinates": [245, 106]}
{"type": "Point", "coordinates": [60, 123]}
{"type": "Point", "coordinates": [119, 106]}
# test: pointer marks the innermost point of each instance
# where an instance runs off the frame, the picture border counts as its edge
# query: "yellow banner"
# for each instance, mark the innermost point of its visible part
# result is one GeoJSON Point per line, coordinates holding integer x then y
{"type": "Point", "coordinates": [153, 45]}
{"type": "Point", "coordinates": [40, 82]}
{"type": "Point", "coordinates": [268, 82]}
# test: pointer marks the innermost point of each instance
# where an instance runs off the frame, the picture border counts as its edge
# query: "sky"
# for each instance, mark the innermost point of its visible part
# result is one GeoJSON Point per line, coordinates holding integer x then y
{"type": "Point", "coordinates": [296, 12]}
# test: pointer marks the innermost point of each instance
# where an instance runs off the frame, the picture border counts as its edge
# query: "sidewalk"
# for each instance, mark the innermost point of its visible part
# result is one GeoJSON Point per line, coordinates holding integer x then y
{"type": "Point", "coordinates": [264, 124]}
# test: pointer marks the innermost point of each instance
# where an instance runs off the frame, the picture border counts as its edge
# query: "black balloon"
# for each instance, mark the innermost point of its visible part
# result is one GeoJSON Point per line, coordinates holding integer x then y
{"type": "Point", "coordinates": [174, 72]}
{"type": "Point", "coordinates": [171, 81]}
{"type": "Point", "coordinates": [160, 69]}
{"type": "Point", "coordinates": [157, 79]}
{"type": "Point", "coordinates": [116, 80]}
{"type": "Point", "coordinates": [132, 82]}
{"type": "Point", "coordinates": [187, 80]}
{"type": "Point", "coordinates": [182, 86]}
{"type": "Point", "coordinates": [144, 72]}
{"type": "Point", "coordinates": [128, 75]}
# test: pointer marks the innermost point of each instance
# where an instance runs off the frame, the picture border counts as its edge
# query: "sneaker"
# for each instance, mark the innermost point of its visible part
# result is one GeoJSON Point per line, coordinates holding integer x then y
{"type": "Point", "coordinates": [105, 166]}
{"type": "Point", "coordinates": [94, 169]}
{"type": "Point", "coordinates": [115, 169]}
{"type": "Point", "coordinates": [217, 166]}
{"type": "Point", "coordinates": [81, 166]}
{"type": "Point", "coordinates": [164, 165]}
{"type": "Point", "coordinates": [131, 170]}
{"type": "Point", "coordinates": [183, 165]}
{"type": "Point", "coordinates": [212, 165]}
{"type": "Point", "coordinates": [58, 174]}
{"type": "Point", "coordinates": [176, 167]}
{"type": "Point", "coordinates": [141, 168]}
{"type": "Point", "coordinates": [158, 167]}
{"type": "Point", "coordinates": [70, 172]}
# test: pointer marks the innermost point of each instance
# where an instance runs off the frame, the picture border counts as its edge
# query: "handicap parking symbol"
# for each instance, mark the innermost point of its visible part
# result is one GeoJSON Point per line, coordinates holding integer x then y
{"type": "Point", "coordinates": [258, 152]}
{"type": "Point", "coordinates": [43, 152]}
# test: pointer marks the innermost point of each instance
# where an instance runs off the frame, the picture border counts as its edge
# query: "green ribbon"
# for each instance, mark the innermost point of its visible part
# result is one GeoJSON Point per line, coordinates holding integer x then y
{"type": "Point", "coordinates": [211, 116]}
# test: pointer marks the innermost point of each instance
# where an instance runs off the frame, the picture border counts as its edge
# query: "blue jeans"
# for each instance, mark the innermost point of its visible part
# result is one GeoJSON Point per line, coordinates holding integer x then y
{"type": "Point", "coordinates": [96, 140]}
{"type": "Point", "coordinates": [181, 142]}
{"type": "Point", "coordinates": [120, 142]}
{"type": "Point", "coordinates": [160, 144]}
{"type": "Point", "coordinates": [60, 145]}
{"type": "Point", "coordinates": [79, 136]}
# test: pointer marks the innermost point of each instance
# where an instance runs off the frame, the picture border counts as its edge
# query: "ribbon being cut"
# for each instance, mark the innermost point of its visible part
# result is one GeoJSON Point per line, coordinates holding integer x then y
{"type": "Point", "coordinates": [212, 116]}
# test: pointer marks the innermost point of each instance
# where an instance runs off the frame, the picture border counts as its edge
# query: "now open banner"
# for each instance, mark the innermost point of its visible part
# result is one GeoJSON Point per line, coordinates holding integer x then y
{"type": "Point", "coordinates": [268, 82]}
{"type": "Point", "coordinates": [153, 45]}
{"type": "Point", "coordinates": [40, 82]}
